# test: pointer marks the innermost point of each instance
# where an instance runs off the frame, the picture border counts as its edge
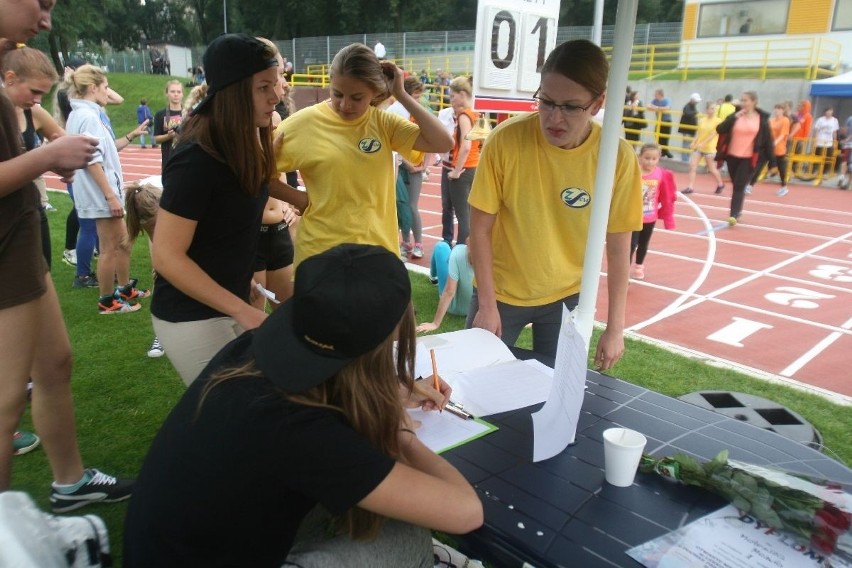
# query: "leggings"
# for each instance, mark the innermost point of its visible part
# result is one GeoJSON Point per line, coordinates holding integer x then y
{"type": "Point", "coordinates": [72, 224]}
{"type": "Point", "coordinates": [782, 169]}
{"type": "Point", "coordinates": [87, 240]}
{"type": "Point", "coordinates": [440, 267]}
{"type": "Point", "coordinates": [640, 240]}
{"type": "Point", "coordinates": [459, 192]}
{"type": "Point", "coordinates": [740, 170]}
{"type": "Point", "coordinates": [414, 185]}
{"type": "Point", "coordinates": [447, 213]}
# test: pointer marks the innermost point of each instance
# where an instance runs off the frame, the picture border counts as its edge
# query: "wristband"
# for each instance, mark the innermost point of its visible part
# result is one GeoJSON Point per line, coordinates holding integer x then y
{"type": "Point", "coordinates": [128, 138]}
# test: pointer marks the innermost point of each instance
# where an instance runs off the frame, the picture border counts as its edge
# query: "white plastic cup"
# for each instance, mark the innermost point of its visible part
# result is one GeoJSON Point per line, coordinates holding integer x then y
{"type": "Point", "coordinates": [622, 452]}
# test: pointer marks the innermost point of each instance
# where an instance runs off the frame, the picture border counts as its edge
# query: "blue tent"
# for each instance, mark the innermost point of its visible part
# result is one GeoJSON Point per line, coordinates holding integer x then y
{"type": "Point", "coordinates": [839, 86]}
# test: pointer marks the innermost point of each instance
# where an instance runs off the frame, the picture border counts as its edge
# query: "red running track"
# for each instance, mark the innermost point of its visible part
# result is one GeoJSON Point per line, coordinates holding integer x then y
{"type": "Point", "coordinates": [771, 295]}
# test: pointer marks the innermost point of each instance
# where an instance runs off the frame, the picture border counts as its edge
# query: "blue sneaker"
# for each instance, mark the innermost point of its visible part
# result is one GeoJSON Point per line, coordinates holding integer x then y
{"type": "Point", "coordinates": [24, 442]}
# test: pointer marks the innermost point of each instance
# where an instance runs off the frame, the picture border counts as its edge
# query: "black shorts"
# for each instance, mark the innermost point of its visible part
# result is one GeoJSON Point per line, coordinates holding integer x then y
{"type": "Point", "coordinates": [274, 249]}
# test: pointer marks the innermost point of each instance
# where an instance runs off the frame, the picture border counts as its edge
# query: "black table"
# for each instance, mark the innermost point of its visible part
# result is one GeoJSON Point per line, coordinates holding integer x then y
{"type": "Point", "coordinates": [561, 512]}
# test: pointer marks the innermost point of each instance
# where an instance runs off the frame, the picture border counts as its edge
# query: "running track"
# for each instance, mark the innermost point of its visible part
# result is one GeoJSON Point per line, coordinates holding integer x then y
{"type": "Point", "coordinates": [771, 296]}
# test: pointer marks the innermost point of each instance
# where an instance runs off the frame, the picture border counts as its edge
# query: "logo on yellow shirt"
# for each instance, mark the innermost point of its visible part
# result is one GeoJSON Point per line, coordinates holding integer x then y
{"type": "Point", "coordinates": [575, 197]}
{"type": "Point", "coordinates": [369, 145]}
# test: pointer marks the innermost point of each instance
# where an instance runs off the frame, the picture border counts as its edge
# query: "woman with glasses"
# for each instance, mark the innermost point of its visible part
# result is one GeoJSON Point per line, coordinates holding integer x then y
{"type": "Point", "coordinates": [531, 206]}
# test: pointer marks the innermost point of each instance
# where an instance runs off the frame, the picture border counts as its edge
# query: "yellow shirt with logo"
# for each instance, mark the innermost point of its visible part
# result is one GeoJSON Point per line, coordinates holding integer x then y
{"type": "Point", "coordinates": [348, 170]}
{"type": "Point", "coordinates": [542, 196]}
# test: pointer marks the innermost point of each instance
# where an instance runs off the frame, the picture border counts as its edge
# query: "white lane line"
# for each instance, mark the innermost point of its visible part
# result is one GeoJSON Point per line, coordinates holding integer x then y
{"type": "Point", "coordinates": [713, 295]}
{"type": "Point", "coordinates": [699, 280]}
{"type": "Point", "coordinates": [814, 351]}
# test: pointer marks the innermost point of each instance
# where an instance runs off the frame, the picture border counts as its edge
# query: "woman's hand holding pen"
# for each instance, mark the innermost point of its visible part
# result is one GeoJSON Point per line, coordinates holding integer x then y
{"type": "Point", "coordinates": [427, 397]}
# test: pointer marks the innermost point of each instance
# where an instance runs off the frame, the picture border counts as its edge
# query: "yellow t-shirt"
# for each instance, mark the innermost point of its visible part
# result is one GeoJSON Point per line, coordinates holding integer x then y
{"type": "Point", "coordinates": [725, 109]}
{"type": "Point", "coordinates": [348, 170]}
{"type": "Point", "coordinates": [542, 196]}
{"type": "Point", "coordinates": [706, 134]}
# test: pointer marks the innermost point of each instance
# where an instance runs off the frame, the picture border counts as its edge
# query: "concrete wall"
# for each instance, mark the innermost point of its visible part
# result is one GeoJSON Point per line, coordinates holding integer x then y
{"type": "Point", "coordinates": [768, 92]}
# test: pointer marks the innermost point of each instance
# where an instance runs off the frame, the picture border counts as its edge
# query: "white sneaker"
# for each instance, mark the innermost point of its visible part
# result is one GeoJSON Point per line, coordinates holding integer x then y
{"type": "Point", "coordinates": [49, 207]}
{"type": "Point", "coordinates": [417, 251]}
{"type": "Point", "coordinates": [782, 192]}
{"type": "Point", "coordinates": [748, 189]}
{"type": "Point", "coordinates": [69, 257]}
{"type": "Point", "coordinates": [156, 349]}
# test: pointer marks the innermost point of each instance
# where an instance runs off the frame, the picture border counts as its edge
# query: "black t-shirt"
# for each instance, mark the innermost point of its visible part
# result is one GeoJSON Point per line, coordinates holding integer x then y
{"type": "Point", "coordinates": [229, 485]}
{"type": "Point", "coordinates": [164, 121]}
{"type": "Point", "coordinates": [196, 186]}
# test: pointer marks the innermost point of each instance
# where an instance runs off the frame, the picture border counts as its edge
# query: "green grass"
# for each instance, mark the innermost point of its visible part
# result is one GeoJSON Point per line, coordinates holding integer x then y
{"type": "Point", "coordinates": [122, 396]}
{"type": "Point", "coordinates": [133, 87]}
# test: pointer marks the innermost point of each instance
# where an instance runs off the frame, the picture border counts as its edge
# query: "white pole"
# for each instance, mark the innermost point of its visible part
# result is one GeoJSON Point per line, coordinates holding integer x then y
{"type": "Point", "coordinates": [598, 23]}
{"type": "Point", "coordinates": [225, 14]}
{"type": "Point", "coordinates": [625, 22]}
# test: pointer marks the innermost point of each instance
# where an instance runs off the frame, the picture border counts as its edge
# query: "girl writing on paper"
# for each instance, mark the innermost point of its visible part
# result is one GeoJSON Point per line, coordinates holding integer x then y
{"type": "Point", "coordinates": [293, 446]}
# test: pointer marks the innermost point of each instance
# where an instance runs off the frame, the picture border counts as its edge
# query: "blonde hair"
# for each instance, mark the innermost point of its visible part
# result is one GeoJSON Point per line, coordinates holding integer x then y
{"type": "Point", "coordinates": [29, 63]}
{"type": "Point", "coordinates": [360, 62]}
{"type": "Point", "coordinates": [461, 85]}
{"type": "Point", "coordinates": [142, 202]}
{"type": "Point", "coordinates": [195, 95]}
{"type": "Point", "coordinates": [81, 80]}
{"type": "Point", "coordinates": [172, 82]}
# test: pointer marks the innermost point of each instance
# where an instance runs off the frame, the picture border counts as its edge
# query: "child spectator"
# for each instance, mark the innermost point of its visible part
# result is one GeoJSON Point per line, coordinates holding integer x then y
{"type": "Point", "coordinates": [143, 113]}
{"type": "Point", "coordinates": [142, 202]}
{"type": "Point", "coordinates": [658, 196]}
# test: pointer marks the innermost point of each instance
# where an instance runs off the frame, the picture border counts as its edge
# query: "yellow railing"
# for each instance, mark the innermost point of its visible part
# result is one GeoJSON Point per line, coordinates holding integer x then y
{"type": "Point", "coordinates": [806, 58]}
{"type": "Point", "coordinates": [805, 161]}
{"type": "Point", "coordinates": [792, 57]}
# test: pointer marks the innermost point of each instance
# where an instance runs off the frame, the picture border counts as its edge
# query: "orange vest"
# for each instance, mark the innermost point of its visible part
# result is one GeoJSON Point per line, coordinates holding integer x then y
{"type": "Point", "coordinates": [472, 156]}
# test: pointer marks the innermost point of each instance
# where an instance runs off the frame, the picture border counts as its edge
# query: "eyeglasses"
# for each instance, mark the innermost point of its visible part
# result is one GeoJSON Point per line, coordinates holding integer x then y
{"type": "Point", "coordinates": [567, 110]}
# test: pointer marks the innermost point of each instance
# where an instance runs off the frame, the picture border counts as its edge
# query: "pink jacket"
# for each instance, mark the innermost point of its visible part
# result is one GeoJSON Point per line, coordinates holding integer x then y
{"type": "Point", "coordinates": [658, 198]}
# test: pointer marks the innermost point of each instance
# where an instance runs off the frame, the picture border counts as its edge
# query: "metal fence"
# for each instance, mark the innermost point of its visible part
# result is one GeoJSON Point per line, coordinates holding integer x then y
{"type": "Point", "coordinates": [448, 50]}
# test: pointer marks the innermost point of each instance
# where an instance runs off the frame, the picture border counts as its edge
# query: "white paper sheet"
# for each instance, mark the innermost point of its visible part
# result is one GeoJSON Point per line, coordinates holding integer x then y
{"type": "Point", "coordinates": [728, 539]}
{"type": "Point", "coordinates": [555, 424]}
{"type": "Point", "coordinates": [441, 431]}
{"type": "Point", "coordinates": [501, 388]}
{"type": "Point", "coordinates": [459, 351]}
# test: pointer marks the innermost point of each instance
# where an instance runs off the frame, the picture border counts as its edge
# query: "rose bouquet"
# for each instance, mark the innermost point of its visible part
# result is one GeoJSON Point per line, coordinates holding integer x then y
{"type": "Point", "coordinates": [816, 512]}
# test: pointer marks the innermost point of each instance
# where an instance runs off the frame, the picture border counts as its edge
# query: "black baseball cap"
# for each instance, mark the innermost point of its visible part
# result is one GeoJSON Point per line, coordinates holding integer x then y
{"type": "Point", "coordinates": [346, 302]}
{"type": "Point", "coordinates": [230, 58]}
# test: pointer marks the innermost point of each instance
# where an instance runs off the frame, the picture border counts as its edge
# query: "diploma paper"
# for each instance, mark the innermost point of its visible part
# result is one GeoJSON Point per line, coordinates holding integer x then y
{"type": "Point", "coordinates": [729, 539]}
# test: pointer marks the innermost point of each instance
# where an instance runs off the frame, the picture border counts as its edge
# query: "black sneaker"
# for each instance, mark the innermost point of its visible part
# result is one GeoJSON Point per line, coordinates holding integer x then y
{"type": "Point", "coordinates": [101, 488]}
{"type": "Point", "coordinates": [89, 281]}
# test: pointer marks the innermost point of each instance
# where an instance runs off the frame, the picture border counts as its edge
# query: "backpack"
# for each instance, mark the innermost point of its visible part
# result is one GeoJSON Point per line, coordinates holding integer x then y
{"type": "Point", "coordinates": [30, 538]}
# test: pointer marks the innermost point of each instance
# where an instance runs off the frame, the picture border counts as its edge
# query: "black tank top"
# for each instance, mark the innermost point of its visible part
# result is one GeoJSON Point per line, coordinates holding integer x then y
{"type": "Point", "coordinates": [30, 136]}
